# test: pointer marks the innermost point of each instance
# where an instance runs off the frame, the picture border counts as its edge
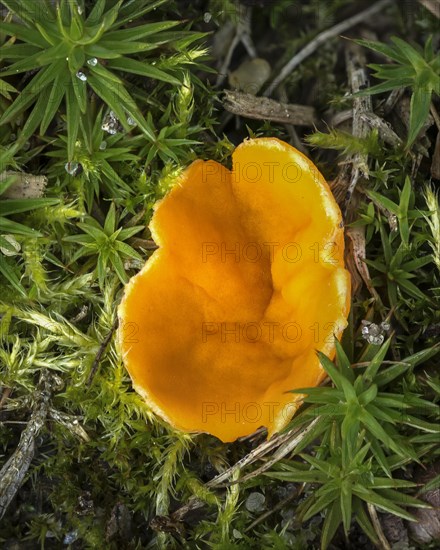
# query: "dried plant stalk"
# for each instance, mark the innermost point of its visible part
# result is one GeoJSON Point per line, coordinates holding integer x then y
{"type": "Point", "coordinates": [14, 471]}
{"type": "Point", "coordinates": [262, 108]}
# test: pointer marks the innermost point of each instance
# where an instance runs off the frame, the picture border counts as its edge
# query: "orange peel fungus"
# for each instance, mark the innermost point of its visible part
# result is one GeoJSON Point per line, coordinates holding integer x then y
{"type": "Point", "coordinates": [247, 283]}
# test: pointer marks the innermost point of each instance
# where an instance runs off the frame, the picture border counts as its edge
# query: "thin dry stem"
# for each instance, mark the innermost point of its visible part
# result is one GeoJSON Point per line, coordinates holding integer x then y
{"type": "Point", "coordinates": [322, 38]}
{"type": "Point", "coordinates": [16, 467]}
{"type": "Point", "coordinates": [384, 544]}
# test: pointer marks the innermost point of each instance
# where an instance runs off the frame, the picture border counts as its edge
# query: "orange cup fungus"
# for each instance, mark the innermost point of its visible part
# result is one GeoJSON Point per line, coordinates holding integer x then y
{"type": "Point", "coordinates": [247, 283]}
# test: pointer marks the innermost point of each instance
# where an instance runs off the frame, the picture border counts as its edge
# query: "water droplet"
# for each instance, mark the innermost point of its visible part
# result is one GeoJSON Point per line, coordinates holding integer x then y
{"type": "Point", "coordinates": [131, 121]}
{"type": "Point", "coordinates": [207, 17]}
{"type": "Point", "coordinates": [73, 168]}
{"type": "Point", "coordinates": [70, 537]}
{"type": "Point", "coordinates": [372, 333]}
{"type": "Point", "coordinates": [81, 76]}
{"type": "Point", "coordinates": [111, 124]}
{"type": "Point", "coordinates": [92, 62]}
{"type": "Point", "coordinates": [103, 145]}
{"type": "Point", "coordinates": [375, 340]}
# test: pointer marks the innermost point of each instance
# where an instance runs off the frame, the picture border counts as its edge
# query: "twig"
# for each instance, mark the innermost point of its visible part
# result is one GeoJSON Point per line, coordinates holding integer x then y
{"type": "Point", "coordinates": [15, 469]}
{"type": "Point", "coordinates": [321, 38]}
{"type": "Point", "coordinates": [285, 442]}
{"type": "Point", "coordinates": [70, 422]}
{"type": "Point", "coordinates": [361, 104]}
{"type": "Point", "coordinates": [433, 6]}
{"type": "Point", "coordinates": [100, 353]}
{"type": "Point", "coordinates": [262, 108]}
{"type": "Point", "coordinates": [435, 115]}
{"type": "Point", "coordinates": [435, 165]}
{"type": "Point", "coordinates": [243, 35]}
{"type": "Point", "coordinates": [6, 393]}
{"type": "Point", "coordinates": [255, 454]}
{"type": "Point", "coordinates": [391, 101]}
{"type": "Point", "coordinates": [386, 133]}
{"type": "Point", "coordinates": [288, 445]}
{"type": "Point", "coordinates": [291, 130]}
{"type": "Point", "coordinates": [385, 545]}
{"type": "Point", "coordinates": [345, 183]}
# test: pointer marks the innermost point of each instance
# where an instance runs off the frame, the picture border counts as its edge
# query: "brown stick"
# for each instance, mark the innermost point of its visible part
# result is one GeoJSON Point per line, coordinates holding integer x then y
{"type": "Point", "coordinates": [16, 467]}
{"type": "Point", "coordinates": [262, 108]}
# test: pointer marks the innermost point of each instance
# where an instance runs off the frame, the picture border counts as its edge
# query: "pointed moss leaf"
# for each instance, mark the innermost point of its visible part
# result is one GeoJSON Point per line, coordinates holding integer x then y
{"type": "Point", "coordinates": [419, 111]}
{"type": "Point", "coordinates": [139, 32]}
{"type": "Point", "coordinates": [333, 519]}
{"type": "Point", "coordinates": [372, 369]}
{"type": "Point", "coordinates": [343, 362]}
{"type": "Point", "coordinates": [137, 67]}
{"type": "Point", "coordinates": [14, 206]}
{"type": "Point", "coordinates": [364, 521]}
{"type": "Point", "coordinates": [346, 498]}
{"type": "Point", "coordinates": [331, 370]}
{"type": "Point", "coordinates": [73, 114]}
{"type": "Point", "coordinates": [33, 120]}
{"type": "Point", "coordinates": [373, 497]}
{"type": "Point", "coordinates": [31, 36]}
{"type": "Point", "coordinates": [55, 97]}
{"type": "Point", "coordinates": [10, 275]}
{"type": "Point", "coordinates": [379, 455]}
{"type": "Point", "coordinates": [9, 226]}
{"type": "Point", "coordinates": [387, 50]}
{"type": "Point", "coordinates": [322, 498]}
{"type": "Point", "coordinates": [422, 356]}
{"type": "Point", "coordinates": [135, 10]}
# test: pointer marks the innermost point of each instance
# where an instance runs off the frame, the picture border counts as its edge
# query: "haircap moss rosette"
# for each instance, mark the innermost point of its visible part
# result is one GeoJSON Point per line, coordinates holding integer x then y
{"type": "Point", "coordinates": [247, 283]}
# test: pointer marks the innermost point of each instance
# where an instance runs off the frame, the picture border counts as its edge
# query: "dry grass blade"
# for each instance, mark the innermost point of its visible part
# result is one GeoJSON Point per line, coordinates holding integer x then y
{"type": "Point", "coordinates": [357, 253]}
{"type": "Point", "coordinates": [256, 454]}
{"type": "Point", "coordinates": [377, 527]}
{"type": "Point", "coordinates": [289, 444]}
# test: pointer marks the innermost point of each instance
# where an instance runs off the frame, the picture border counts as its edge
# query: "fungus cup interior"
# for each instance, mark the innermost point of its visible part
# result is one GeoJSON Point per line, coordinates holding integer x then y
{"type": "Point", "coordinates": [247, 283]}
